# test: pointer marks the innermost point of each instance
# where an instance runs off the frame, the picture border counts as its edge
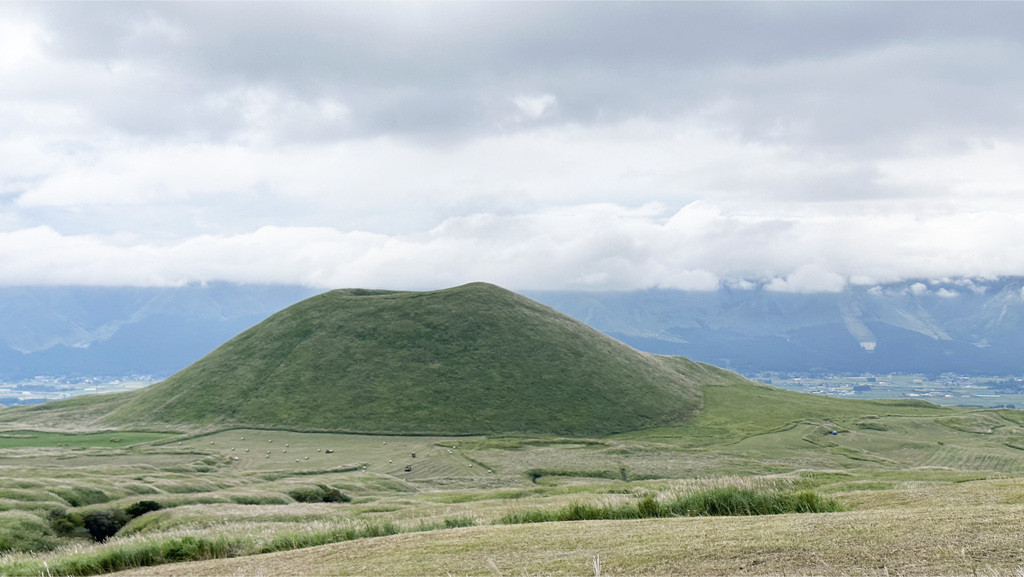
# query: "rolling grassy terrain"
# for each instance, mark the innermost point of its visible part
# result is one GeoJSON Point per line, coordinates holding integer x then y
{"type": "Point", "coordinates": [924, 490]}
{"type": "Point", "coordinates": [964, 537]}
{"type": "Point", "coordinates": [312, 478]}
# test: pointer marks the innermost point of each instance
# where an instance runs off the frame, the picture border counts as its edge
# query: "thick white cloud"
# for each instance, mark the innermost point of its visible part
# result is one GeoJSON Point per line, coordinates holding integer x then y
{"type": "Point", "coordinates": [581, 247]}
{"type": "Point", "coordinates": [800, 147]}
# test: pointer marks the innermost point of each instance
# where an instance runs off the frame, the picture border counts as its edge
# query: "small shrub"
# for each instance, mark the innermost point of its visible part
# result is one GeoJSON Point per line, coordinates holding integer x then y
{"type": "Point", "coordinates": [580, 512]}
{"type": "Point", "coordinates": [650, 507]}
{"type": "Point", "coordinates": [104, 524]}
{"type": "Point", "coordinates": [141, 508]}
{"type": "Point", "coordinates": [520, 517]}
{"type": "Point", "coordinates": [332, 495]}
{"type": "Point", "coordinates": [149, 523]}
{"type": "Point", "coordinates": [305, 495]}
{"type": "Point", "coordinates": [319, 494]}
{"type": "Point", "coordinates": [810, 502]}
{"type": "Point", "coordinates": [62, 523]}
{"type": "Point", "coordinates": [453, 522]}
{"type": "Point", "coordinates": [379, 530]}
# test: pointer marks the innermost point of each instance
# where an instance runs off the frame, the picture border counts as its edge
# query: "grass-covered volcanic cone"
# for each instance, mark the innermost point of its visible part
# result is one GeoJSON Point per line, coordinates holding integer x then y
{"type": "Point", "coordinates": [471, 359]}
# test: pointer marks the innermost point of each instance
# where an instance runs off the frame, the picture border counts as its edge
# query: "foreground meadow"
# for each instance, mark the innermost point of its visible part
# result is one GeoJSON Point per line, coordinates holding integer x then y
{"type": "Point", "coordinates": [938, 529]}
{"type": "Point", "coordinates": [866, 488]}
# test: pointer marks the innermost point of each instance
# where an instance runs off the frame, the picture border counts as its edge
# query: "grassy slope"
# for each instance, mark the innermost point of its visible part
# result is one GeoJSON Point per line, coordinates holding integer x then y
{"type": "Point", "coordinates": [735, 409]}
{"type": "Point", "coordinates": [72, 415]}
{"type": "Point", "coordinates": [916, 521]}
{"type": "Point", "coordinates": [902, 479]}
{"type": "Point", "coordinates": [473, 359]}
{"type": "Point", "coordinates": [748, 423]}
{"type": "Point", "coordinates": [958, 530]}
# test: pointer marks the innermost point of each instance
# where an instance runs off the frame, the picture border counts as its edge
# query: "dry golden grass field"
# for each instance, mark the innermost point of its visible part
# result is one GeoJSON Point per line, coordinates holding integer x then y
{"type": "Point", "coordinates": [974, 528]}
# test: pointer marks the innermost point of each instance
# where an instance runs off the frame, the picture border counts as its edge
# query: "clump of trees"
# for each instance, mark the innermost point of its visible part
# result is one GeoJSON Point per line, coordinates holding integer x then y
{"type": "Point", "coordinates": [100, 524]}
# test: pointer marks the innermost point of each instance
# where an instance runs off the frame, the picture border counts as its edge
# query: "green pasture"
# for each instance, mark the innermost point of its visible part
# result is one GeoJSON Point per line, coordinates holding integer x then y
{"type": "Point", "coordinates": [20, 439]}
{"type": "Point", "coordinates": [243, 492]}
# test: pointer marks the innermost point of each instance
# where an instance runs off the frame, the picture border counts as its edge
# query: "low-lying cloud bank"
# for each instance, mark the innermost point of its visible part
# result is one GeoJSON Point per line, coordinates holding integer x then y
{"type": "Point", "coordinates": [599, 247]}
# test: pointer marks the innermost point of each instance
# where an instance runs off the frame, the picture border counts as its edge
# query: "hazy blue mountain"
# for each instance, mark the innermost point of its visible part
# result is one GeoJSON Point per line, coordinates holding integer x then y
{"type": "Point", "coordinates": [969, 327]}
{"type": "Point", "coordinates": [97, 331]}
{"type": "Point", "coordinates": [924, 326]}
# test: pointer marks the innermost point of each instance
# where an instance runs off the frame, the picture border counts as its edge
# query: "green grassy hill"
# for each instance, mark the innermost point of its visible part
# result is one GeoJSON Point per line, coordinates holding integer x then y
{"type": "Point", "coordinates": [471, 359]}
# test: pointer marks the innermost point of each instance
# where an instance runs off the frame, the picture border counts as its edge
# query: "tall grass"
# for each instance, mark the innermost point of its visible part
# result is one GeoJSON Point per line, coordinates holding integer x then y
{"type": "Point", "coordinates": [21, 531]}
{"type": "Point", "coordinates": [128, 553]}
{"type": "Point", "coordinates": [716, 501]}
{"type": "Point", "coordinates": [289, 541]}
{"type": "Point", "coordinates": [736, 501]}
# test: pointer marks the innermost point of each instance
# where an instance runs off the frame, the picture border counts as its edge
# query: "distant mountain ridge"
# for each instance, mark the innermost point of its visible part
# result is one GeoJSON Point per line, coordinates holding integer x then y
{"type": "Point", "coordinates": [98, 331]}
{"type": "Point", "coordinates": [966, 326]}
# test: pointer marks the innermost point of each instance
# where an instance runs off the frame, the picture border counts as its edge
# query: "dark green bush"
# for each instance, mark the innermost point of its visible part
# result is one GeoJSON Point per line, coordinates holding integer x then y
{"type": "Point", "coordinates": [305, 495]}
{"type": "Point", "coordinates": [319, 494]}
{"type": "Point", "coordinates": [105, 523]}
{"type": "Point", "coordinates": [62, 523]}
{"type": "Point", "coordinates": [141, 508]}
{"type": "Point", "coordinates": [453, 522]}
{"type": "Point", "coordinates": [581, 512]}
{"type": "Point", "coordinates": [332, 495]}
{"type": "Point", "coordinates": [650, 507]}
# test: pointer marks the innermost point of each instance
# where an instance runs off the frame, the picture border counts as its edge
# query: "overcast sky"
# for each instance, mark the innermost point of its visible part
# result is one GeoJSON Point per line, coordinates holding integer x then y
{"type": "Point", "coordinates": [796, 146]}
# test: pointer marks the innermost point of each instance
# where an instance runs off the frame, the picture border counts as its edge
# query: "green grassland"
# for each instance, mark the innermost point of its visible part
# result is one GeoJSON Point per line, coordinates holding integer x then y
{"type": "Point", "coordinates": [18, 439]}
{"type": "Point", "coordinates": [913, 540]}
{"type": "Point", "coordinates": [924, 490]}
